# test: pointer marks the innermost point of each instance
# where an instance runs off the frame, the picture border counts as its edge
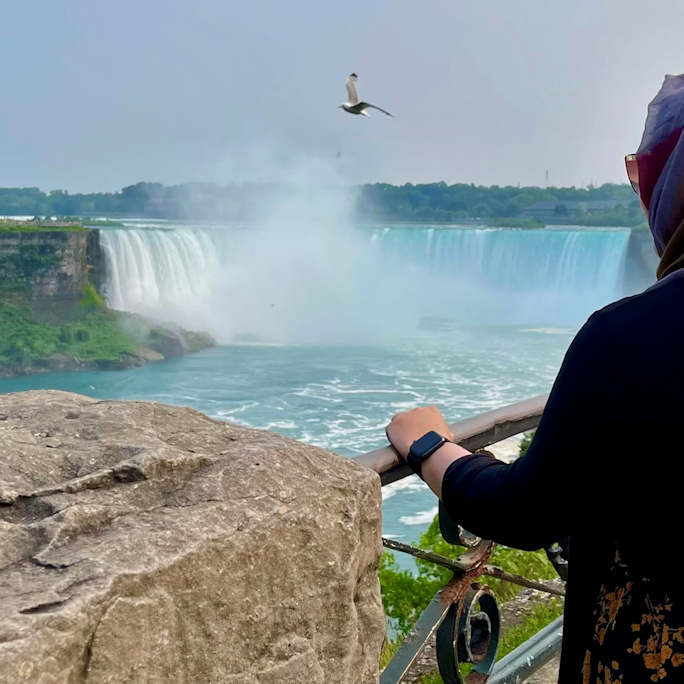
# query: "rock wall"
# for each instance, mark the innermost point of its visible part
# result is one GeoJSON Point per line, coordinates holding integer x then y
{"type": "Point", "coordinates": [97, 269]}
{"type": "Point", "coordinates": [44, 264]}
{"type": "Point", "coordinates": [147, 543]}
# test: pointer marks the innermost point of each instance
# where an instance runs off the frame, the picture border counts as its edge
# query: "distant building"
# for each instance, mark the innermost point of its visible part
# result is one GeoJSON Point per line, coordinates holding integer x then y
{"type": "Point", "coordinates": [545, 211]}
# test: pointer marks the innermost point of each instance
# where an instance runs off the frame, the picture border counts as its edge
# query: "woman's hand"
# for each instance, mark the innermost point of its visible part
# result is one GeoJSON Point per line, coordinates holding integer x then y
{"type": "Point", "coordinates": [406, 428]}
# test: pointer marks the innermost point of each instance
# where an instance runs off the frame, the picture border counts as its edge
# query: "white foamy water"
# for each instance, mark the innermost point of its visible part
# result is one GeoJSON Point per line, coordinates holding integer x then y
{"type": "Point", "coordinates": [421, 518]}
{"type": "Point", "coordinates": [311, 285]}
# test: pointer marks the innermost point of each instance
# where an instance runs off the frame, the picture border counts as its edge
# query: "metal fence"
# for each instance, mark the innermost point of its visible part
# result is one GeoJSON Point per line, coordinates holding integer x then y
{"type": "Point", "coordinates": [463, 615]}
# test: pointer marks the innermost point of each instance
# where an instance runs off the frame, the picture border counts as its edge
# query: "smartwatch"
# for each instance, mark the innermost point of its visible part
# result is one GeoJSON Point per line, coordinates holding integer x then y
{"type": "Point", "coordinates": [422, 449]}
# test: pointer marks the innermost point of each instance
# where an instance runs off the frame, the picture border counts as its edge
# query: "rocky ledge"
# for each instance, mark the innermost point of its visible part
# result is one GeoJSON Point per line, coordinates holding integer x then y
{"type": "Point", "coordinates": [147, 543]}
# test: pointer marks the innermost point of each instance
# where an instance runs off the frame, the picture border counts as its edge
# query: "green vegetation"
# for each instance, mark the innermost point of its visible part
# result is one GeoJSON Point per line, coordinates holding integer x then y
{"type": "Point", "coordinates": [607, 205]}
{"type": "Point", "coordinates": [406, 594]}
{"type": "Point", "coordinates": [623, 215]}
{"type": "Point", "coordinates": [525, 443]}
{"type": "Point", "coordinates": [91, 298]}
{"type": "Point", "coordinates": [31, 257]}
{"type": "Point", "coordinates": [612, 205]}
{"type": "Point", "coordinates": [522, 223]}
{"type": "Point", "coordinates": [37, 226]}
{"type": "Point", "coordinates": [91, 333]}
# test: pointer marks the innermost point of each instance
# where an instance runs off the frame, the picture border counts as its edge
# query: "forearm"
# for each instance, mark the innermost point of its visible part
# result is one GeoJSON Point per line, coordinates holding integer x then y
{"type": "Point", "coordinates": [477, 505]}
{"type": "Point", "coordinates": [434, 468]}
{"type": "Point", "coordinates": [508, 504]}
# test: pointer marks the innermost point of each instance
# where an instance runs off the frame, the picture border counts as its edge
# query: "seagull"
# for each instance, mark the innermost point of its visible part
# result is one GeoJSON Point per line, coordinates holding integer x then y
{"type": "Point", "coordinates": [353, 106]}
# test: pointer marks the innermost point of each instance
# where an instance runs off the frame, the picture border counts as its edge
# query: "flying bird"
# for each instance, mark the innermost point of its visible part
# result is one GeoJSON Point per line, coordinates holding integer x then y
{"type": "Point", "coordinates": [353, 106]}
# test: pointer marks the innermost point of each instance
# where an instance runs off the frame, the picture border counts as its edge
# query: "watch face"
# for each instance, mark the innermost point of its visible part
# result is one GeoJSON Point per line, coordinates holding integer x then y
{"type": "Point", "coordinates": [427, 444]}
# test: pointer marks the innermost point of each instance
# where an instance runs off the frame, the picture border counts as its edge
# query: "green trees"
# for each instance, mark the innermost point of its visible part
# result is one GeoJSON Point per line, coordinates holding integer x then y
{"type": "Point", "coordinates": [609, 204]}
{"type": "Point", "coordinates": [438, 202]}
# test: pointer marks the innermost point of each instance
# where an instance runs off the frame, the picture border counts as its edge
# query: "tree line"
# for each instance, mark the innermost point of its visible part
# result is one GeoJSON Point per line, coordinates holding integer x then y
{"type": "Point", "coordinates": [380, 202]}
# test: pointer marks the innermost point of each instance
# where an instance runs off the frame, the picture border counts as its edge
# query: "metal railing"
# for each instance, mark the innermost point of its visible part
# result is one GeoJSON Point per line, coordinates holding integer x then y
{"type": "Point", "coordinates": [463, 615]}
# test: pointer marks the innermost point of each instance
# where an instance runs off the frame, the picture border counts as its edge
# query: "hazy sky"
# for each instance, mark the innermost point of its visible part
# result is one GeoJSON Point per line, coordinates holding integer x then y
{"type": "Point", "coordinates": [98, 94]}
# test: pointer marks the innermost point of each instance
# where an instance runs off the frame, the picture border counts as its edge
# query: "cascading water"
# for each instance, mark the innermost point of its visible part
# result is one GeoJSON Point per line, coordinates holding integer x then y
{"type": "Point", "coordinates": [240, 281]}
{"type": "Point", "coordinates": [577, 261]}
{"type": "Point", "coordinates": [166, 273]}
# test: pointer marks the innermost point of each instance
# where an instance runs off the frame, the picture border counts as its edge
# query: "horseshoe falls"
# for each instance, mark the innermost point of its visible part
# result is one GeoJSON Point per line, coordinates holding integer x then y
{"type": "Point", "coordinates": [360, 285]}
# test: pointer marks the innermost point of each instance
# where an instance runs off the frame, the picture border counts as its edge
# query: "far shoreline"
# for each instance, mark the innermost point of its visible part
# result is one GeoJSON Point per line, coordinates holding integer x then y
{"type": "Point", "coordinates": [118, 221]}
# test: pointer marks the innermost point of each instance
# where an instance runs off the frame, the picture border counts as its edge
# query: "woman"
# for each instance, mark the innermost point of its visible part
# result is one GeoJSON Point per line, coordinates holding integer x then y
{"type": "Point", "coordinates": [604, 466]}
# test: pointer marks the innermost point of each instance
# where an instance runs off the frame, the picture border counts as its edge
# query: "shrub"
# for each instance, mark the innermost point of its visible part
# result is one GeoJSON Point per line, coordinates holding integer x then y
{"type": "Point", "coordinates": [91, 298]}
{"type": "Point", "coordinates": [96, 334]}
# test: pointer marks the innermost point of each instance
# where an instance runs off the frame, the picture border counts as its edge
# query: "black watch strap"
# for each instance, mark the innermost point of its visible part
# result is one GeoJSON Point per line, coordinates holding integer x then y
{"type": "Point", "coordinates": [422, 449]}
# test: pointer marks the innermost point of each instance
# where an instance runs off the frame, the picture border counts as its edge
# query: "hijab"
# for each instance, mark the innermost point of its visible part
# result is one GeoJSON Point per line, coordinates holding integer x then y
{"type": "Point", "coordinates": [660, 163]}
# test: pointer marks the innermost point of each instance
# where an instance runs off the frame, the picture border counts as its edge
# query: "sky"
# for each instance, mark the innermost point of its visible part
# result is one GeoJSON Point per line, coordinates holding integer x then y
{"type": "Point", "coordinates": [96, 94]}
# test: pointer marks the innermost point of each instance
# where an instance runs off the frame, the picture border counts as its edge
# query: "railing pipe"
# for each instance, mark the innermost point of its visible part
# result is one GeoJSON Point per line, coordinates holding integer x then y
{"type": "Point", "coordinates": [525, 660]}
{"type": "Point", "coordinates": [473, 433]}
{"type": "Point", "coordinates": [463, 630]}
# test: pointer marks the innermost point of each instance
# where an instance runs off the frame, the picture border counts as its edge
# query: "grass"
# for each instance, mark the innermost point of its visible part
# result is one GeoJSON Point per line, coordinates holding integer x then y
{"type": "Point", "coordinates": [12, 226]}
{"type": "Point", "coordinates": [542, 614]}
{"type": "Point", "coordinates": [92, 333]}
{"type": "Point", "coordinates": [389, 648]}
{"type": "Point", "coordinates": [91, 298]}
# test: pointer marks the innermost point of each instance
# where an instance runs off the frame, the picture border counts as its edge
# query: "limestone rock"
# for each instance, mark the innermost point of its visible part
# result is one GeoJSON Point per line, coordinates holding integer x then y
{"type": "Point", "coordinates": [48, 265]}
{"type": "Point", "coordinates": [172, 341]}
{"type": "Point", "coordinates": [148, 543]}
{"type": "Point", "coordinates": [168, 339]}
{"type": "Point", "coordinates": [148, 355]}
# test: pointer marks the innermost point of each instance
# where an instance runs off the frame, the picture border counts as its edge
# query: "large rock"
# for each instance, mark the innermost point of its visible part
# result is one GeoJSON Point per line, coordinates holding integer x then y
{"type": "Point", "coordinates": [168, 339]}
{"type": "Point", "coordinates": [147, 543]}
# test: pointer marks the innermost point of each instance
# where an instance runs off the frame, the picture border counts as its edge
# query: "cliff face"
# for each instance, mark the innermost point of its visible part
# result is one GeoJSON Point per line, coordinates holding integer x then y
{"type": "Point", "coordinates": [44, 265]}
{"type": "Point", "coordinates": [95, 258]}
{"type": "Point", "coordinates": [52, 318]}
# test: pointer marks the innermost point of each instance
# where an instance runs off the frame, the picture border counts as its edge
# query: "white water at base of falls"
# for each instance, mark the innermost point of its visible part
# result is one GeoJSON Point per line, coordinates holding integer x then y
{"type": "Point", "coordinates": [358, 285]}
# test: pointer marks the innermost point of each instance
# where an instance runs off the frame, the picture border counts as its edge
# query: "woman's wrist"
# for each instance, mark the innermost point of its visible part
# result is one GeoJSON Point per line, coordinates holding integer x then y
{"type": "Point", "coordinates": [433, 468]}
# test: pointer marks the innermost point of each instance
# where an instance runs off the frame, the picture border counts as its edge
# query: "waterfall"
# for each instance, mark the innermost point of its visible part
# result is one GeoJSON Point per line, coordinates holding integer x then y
{"type": "Point", "coordinates": [230, 281]}
{"type": "Point", "coordinates": [577, 261]}
{"type": "Point", "coordinates": [164, 272]}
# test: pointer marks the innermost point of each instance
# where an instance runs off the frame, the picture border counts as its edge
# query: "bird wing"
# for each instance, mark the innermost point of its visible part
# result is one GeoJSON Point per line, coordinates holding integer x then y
{"type": "Point", "coordinates": [370, 106]}
{"type": "Point", "coordinates": [351, 89]}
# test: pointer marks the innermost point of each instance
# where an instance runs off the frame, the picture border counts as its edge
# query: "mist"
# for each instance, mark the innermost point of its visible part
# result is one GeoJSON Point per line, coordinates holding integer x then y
{"type": "Point", "coordinates": [307, 274]}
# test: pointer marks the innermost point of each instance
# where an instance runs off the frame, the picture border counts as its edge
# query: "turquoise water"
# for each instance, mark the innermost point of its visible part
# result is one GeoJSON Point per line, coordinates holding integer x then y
{"type": "Point", "coordinates": [341, 397]}
{"type": "Point", "coordinates": [338, 313]}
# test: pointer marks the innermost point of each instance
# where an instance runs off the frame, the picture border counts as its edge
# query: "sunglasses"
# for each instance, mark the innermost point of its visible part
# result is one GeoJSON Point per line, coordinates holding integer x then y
{"type": "Point", "coordinates": [633, 172]}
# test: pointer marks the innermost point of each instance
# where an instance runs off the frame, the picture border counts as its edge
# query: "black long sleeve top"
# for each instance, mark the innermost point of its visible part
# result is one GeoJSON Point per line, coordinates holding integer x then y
{"type": "Point", "coordinates": [604, 468]}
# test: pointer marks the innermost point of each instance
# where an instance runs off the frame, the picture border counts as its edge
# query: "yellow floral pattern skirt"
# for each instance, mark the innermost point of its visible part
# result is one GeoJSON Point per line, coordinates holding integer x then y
{"type": "Point", "coordinates": [634, 638]}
